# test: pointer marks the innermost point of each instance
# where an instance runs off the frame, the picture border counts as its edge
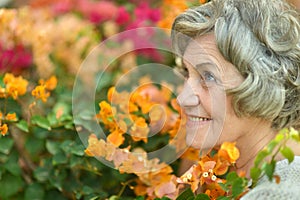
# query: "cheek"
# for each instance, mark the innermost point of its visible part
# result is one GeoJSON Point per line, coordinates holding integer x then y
{"type": "Point", "coordinates": [219, 104]}
{"type": "Point", "coordinates": [233, 126]}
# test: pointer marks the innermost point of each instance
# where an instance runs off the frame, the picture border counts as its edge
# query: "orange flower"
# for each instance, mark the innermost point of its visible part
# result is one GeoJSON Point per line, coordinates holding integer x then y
{"type": "Point", "coordinates": [51, 83]}
{"type": "Point", "coordinates": [2, 92]}
{"type": "Point", "coordinates": [208, 168]}
{"type": "Point", "coordinates": [214, 190]}
{"type": "Point", "coordinates": [110, 93]}
{"type": "Point", "coordinates": [106, 115]}
{"type": "Point", "coordinates": [3, 129]}
{"type": "Point", "coordinates": [95, 147]}
{"type": "Point", "coordinates": [191, 177]}
{"type": "Point", "coordinates": [191, 154]}
{"type": "Point", "coordinates": [143, 101]}
{"type": "Point", "coordinates": [140, 189]}
{"type": "Point", "coordinates": [116, 137]}
{"type": "Point", "coordinates": [139, 131]}
{"type": "Point", "coordinates": [15, 86]}
{"type": "Point", "coordinates": [156, 113]}
{"type": "Point", "coordinates": [208, 174]}
{"type": "Point", "coordinates": [170, 9]}
{"type": "Point", "coordinates": [11, 117]}
{"type": "Point", "coordinates": [40, 92]}
{"type": "Point", "coordinates": [229, 152]}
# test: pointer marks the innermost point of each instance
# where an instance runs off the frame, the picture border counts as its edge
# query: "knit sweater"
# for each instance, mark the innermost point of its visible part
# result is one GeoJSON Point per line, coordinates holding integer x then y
{"type": "Point", "coordinates": [287, 189]}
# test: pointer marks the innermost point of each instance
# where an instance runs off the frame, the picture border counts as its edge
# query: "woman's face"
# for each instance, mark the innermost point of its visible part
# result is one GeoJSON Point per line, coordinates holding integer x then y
{"type": "Point", "coordinates": [210, 118]}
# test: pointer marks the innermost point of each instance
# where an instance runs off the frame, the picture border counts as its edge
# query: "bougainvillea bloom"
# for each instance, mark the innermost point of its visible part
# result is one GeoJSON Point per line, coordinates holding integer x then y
{"type": "Point", "coordinates": [11, 117]}
{"type": "Point", "coordinates": [208, 169]}
{"type": "Point", "coordinates": [14, 59]}
{"type": "Point", "coordinates": [3, 129]}
{"type": "Point", "coordinates": [15, 86]}
{"type": "Point", "coordinates": [40, 92]}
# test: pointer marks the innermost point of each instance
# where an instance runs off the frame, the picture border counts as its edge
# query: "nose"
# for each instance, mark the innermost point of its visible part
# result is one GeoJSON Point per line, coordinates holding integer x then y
{"type": "Point", "coordinates": [188, 97]}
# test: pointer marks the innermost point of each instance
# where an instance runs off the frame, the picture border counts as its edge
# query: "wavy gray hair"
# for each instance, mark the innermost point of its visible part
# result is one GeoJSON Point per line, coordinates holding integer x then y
{"type": "Point", "coordinates": [261, 38]}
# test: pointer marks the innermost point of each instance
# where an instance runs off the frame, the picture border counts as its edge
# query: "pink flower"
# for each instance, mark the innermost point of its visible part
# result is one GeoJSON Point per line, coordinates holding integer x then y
{"type": "Point", "coordinates": [144, 12]}
{"type": "Point", "coordinates": [62, 7]}
{"type": "Point", "coordinates": [14, 59]}
{"type": "Point", "coordinates": [123, 16]}
{"type": "Point", "coordinates": [97, 12]}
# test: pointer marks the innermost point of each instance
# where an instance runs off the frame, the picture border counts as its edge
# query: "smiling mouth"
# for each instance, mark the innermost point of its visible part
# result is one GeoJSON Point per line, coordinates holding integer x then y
{"type": "Point", "coordinates": [198, 119]}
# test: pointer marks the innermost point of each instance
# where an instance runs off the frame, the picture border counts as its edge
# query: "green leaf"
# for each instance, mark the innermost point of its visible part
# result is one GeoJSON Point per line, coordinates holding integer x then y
{"type": "Point", "coordinates": [35, 146]}
{"type": "Point", "coordinates": [23, 125]}
{"type": "Point", "coordinates": [41, 174]}
{"type": "Point", "coordinates": [66, 117]}
{"type": "Point", "coordinates": [114, 198]}
{"type": "Point", "coordinates": [78, 150]}
{"type": "Point", "coordinates": [41, 122]}
{"type": "Point", "coordinates": [87, 190]}
{"type": "Point", "coordinates": [237, 187]}
{"type": "Point", "coordinates": [59, 158]}
{"type": "Point", "coordinates": [272, 145]}
{"type": "Point", "coordinates": [260, 156]}
{"type": "Point", "coordinates": [73, 148]}
{"type": "Point", "coordinates": [185, 194]}
{"type": "Point", "coordinates": [10, 185]}
{"type": "Point", "coordinates": [224, 187]}
{"type": "Point", "coordinates": [269, 168]}
{"type": "Point", "coordinates": [281, 135]}
{"type": "Point", "coordinates": [6, 144]}
{"type": "Point", "coordinates": [287, 153]}
{"type": "Point", "coordinates": [12, 164]}
{"type": "Point", "coordinates": [53, 147]}
{"type": "Point", "coordinates": [51, 117]}
{"type": "Point", "coordinates": [54, 195]}
{"type": "Point", "coordinates": [57, 178]}
{"type": "Point", "coordinates": [69, 126]}
{"type": "Point", "coordinates": [75, 160]}
{"type": "Point", "coordinates": [255, 173]}
{"type": "Point", "coordinates": [295, 135]}
{"type": "Point", "coordinates": [34, 192]}
{"type": "Point", "coordinates": [223, 198]}
{"type": "Point", "coordinates": [202, 197]}
{"type": "Point", "coordinates": [232, 176]}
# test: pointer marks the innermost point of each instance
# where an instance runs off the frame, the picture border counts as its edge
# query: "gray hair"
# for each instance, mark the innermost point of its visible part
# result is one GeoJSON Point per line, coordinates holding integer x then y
{"type": "Point", "coordinates": [261, 38]}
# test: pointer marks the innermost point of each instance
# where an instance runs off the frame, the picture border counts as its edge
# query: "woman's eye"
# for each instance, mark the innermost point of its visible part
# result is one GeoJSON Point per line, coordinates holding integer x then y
{"type": "Point", "coordinates": [209, 77]}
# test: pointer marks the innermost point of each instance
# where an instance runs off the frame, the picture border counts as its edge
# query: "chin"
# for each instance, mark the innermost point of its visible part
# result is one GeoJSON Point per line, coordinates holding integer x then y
{"type": "Point", "coordinates": [193, 142]}
{"type": "Point", "coordinates": [198, 143]}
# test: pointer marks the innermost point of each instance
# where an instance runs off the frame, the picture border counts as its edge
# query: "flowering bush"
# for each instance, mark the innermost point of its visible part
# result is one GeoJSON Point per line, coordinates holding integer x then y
{"type": "Point", "coordinates": [48, 152]}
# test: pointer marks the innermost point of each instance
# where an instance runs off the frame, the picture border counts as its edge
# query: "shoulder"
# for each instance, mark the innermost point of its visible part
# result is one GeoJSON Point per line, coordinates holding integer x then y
{"type": "Point", "coordinates": [288, 188]}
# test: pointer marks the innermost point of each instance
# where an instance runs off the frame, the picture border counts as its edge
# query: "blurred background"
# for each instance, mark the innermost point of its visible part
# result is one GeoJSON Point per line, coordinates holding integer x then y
{"type": "Point", "coordinates": [47, 152]}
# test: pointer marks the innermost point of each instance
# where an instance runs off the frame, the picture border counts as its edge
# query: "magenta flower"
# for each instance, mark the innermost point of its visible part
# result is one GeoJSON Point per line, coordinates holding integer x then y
{"type": "Point", "coordinates": [145, 12]}
{"type": "Point", "coordinates": [123, 16]}
{"type": "Point", "coordinates": [97, 12]}
{"type": "Point", "coordinates": [15, 59]}
{"type": "Point", "coordinates": [62, 7]}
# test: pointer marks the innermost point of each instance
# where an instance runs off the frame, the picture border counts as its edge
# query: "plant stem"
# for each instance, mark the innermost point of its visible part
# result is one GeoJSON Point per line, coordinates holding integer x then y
{"type": "Point", "coordinates": [124, 186]}
{"type": "Point", "coordinates": [24, 158]}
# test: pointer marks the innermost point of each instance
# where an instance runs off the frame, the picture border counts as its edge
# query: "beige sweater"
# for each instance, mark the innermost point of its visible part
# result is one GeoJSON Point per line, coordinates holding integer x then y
{"type": "Point", "coordinates": [287, 189]}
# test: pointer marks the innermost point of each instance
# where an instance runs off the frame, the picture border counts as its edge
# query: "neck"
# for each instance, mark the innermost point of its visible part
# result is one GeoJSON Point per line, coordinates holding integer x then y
{"type": "Point", "coordinates": [250, 144]}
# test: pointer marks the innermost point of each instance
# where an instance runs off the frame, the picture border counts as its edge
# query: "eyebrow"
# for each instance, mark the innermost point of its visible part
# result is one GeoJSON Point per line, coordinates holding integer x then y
{"type": "Point", "coordinates": [208, 65]}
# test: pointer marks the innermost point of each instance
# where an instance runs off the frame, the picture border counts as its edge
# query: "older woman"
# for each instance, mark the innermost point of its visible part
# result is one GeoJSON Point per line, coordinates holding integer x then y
{"type": "Point", "coordinates": [241, 59]}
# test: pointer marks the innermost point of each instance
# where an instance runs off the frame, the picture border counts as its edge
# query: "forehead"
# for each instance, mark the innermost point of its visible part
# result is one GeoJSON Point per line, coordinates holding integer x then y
{"type": "Point", "coordinates": [204, 49]}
